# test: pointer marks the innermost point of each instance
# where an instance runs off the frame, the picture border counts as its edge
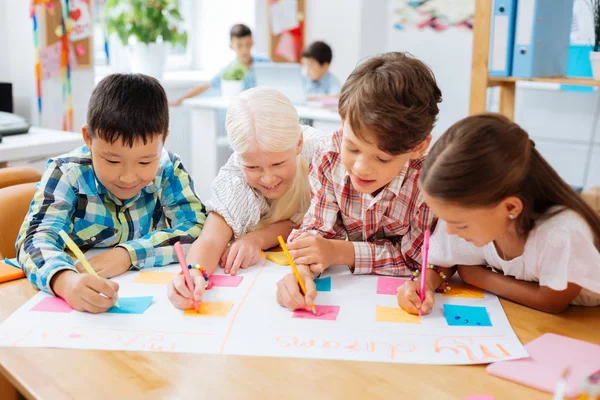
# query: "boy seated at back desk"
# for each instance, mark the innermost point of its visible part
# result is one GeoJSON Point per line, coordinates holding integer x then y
{"type": "Point", "coordinates": [317, 80]}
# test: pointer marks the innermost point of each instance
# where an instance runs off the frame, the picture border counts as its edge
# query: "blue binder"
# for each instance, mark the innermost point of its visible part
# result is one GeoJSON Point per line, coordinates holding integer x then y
{"type": "Point", "coordinates": [542, 35]}
{"type": "Point", "coordinates": [502, 37]}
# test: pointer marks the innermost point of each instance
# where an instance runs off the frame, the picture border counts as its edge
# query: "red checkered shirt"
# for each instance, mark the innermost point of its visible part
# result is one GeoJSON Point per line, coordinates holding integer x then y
{"type": "Point", "coordinates": [386, 230]}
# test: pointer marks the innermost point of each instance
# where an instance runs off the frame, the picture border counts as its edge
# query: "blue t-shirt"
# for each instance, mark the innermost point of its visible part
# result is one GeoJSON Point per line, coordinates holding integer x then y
{"type": "Point", "coordinates": [249, 79]}
{"type": "Point", "coordinates": [327, 85]}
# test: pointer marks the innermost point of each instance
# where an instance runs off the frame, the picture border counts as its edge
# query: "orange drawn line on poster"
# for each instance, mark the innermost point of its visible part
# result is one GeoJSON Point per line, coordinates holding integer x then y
{"type": "Point", "coordinates": [231, 325]}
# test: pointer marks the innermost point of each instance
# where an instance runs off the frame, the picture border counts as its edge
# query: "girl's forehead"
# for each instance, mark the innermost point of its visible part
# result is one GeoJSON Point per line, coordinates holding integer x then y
{"type": "Point", "coordinates": [260, 157]}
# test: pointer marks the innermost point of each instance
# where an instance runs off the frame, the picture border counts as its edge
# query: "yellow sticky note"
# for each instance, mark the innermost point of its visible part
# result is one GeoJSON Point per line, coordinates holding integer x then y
{"type": "Point", "coordinates": [278, 258]}
{"type": "Point", "coordinates": [211, 309]}
{"type": "Point", "coordinates": [464, 291]}
{"type": "Point", "coordinates": [154, 277]}
{"type": "Point", "coordinates": [396, 314]}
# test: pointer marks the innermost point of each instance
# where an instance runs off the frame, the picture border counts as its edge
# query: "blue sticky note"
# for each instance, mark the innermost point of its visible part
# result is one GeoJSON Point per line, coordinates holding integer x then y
{"type": "Point", "coordinates": [323, 284]}
{"type": "Point", "coordinates": [466, 315]}
{"type": "Point", "coordinates": [132, 305]}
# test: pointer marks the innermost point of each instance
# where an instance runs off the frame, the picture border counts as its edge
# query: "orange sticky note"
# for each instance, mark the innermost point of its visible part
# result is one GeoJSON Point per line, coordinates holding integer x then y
{"type": "Point", "coordinates": [278, 258]}
{"type": "Point", "coordinates": [211, 309]}
{"type": "Point", "coordinates": [154, 277]}
{"type": "Point", "coordinates": [464, 291]}
{"type": "Point", "coordinates": [10, 273]}
{"type": "Point", "coordinates": [396, 314]}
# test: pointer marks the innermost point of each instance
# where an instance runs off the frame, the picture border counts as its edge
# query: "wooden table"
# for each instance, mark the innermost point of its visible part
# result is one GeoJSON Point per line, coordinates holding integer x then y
{"type": "Point", "coordinates": [79, 374]}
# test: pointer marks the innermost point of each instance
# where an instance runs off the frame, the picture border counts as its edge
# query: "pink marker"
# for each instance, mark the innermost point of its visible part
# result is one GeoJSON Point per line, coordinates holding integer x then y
{"type": "Point", "coordinates": [186, 273]}
{"type": "Point", "coordinates": [425, 256]}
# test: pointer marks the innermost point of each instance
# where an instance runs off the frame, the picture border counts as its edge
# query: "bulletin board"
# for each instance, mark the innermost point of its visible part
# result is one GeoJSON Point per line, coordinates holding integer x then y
{"type": "Point", "coordinates": [80, 37]}
{"type": "Point", "coordinates": [286, 29]}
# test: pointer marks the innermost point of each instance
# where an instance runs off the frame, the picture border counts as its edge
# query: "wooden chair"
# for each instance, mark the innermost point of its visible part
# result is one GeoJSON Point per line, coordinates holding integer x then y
{"type": "Point", "coordinates": [14, 204]}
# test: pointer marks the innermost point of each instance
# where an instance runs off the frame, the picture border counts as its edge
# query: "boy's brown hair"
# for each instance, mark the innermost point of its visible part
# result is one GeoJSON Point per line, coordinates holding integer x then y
{"type": "Point", "coordinates": [396, 97]}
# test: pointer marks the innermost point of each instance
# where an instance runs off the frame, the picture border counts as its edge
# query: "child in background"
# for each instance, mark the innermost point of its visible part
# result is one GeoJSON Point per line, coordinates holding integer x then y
{"type": "Point", "coordinates": [262, 192]}
{"type": "Point", "coordinates": [122, 190]}
{"type": "Point", "coordinates": [509, 222]}
{"type": "Point", "coordinates": [317, 80]}
{"type": "Point", "coordinates": [366, 209]}
{"type": "Point", "coordinates": [241, 43]}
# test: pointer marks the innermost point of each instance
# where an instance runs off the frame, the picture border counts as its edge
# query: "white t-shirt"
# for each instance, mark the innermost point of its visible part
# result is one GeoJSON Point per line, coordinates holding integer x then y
{"type": "Point", "coordinates": [558, 250]}
{"type": "Point", "coordinates": [237, 202]}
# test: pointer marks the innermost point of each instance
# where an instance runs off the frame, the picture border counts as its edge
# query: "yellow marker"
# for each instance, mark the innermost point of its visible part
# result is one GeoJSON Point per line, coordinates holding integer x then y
{"type": "Point", "coordinates": [73, 247]}
{"type": "Point", "coordinates": [296, 273]}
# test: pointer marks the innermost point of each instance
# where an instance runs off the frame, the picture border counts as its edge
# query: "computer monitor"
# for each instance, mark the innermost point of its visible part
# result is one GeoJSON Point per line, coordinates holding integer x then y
{"type": "Point", "coordinates": [6, 97]}
{"type": "Point", "coordinates": [285, 77]}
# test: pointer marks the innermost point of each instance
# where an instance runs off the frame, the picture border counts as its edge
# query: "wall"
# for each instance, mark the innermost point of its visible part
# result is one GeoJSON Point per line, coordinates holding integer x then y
{"type": "Point", "coordinates": [18, 66]}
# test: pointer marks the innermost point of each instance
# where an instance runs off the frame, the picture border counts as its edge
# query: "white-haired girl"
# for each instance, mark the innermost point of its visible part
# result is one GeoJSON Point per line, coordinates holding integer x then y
{"type": "Point", "coordinates": [262, 192]}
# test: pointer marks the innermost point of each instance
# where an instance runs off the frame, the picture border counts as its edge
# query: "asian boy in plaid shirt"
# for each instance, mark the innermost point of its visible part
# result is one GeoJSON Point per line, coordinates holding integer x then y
{"type": "Point", "coordinates": [122, 190]}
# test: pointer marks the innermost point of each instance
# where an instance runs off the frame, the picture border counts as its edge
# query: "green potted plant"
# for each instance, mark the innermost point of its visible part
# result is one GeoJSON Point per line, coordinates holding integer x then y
{"type": "Point", "coordinates": [232, 80]}
{"type": "Point", "coordinates": [595, 54]}
{"type": "Point", "coordinates": [145, 28]}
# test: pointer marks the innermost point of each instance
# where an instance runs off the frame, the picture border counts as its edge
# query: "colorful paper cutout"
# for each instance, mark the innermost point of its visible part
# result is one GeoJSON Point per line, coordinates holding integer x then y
{"type": "Point", "coordinates": [53, 304]}
{"type": "Point", "coordinates": [457, 315]}
{"type": "Point", "coordinates": [9, 273]}
{"type": "Point", "coordinates": [466, 291]}
{"type": "Point", "coordinates": [395, 314]}
{"type": "Point", "coordinates": [132, 305]}
{"type": "Point", "coordinates": [154, 277]}
{"type": "Point", "coordinates": [225, 280]}
{"type": "Point", "coordinates": [210, 309]}
{"type": "Point", "coordinates": [323, 313]}
{"type": "Point", "coordinates": [278, 258]}
{"type": "Point", "coordinates": [323, 284]}
{"type": "Point", "coordinates": [387, 285]}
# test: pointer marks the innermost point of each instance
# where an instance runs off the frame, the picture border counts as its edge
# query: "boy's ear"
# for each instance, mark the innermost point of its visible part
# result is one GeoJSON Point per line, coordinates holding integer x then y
{"type": "Point", "coordinates": [86, 136]}
{"type": "Point", "coordinates": [231, 45]}
{"type": "Point", "coordinates": [421, 147]}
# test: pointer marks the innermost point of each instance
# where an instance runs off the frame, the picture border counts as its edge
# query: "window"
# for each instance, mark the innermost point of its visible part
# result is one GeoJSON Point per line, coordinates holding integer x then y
{"type": "Point", "coordinates": [179, 58]}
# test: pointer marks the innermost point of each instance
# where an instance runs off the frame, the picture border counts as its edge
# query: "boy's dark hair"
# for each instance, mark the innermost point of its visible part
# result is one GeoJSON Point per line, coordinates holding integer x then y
{"type": "Point", "coordinates": [129, 107]}
{"type": "Point", "coordinates": [239, 31]}
{"type": "Point", "coordinates": [395, 96]}
{"type": "Point", "coordinates": [319, 51]}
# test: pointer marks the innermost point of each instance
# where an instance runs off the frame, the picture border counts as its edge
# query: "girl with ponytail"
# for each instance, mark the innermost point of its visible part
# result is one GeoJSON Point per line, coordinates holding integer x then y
{"type": "Point", "coordinates": [507, 220]}
{"type": "Point", "coordinates": [262, 192]}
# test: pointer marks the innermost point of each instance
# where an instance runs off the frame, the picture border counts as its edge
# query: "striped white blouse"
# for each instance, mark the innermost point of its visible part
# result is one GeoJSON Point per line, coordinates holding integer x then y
{"type": "Point", "coordinates": [237, 202]}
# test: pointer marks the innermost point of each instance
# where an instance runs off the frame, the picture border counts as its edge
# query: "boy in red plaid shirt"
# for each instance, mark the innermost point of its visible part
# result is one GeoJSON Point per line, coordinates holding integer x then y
{"type": "Point", "coordinates": [366, 208]}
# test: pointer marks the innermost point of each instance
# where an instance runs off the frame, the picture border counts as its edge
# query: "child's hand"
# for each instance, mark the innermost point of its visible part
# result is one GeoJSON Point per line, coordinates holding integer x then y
{"type": "Point", "coordinates": [85, 292]}
{"type": "Point", "coordinates": [241, 254]}
{"type": "Point", "coordinates": [180, 295]}
{"type": "Point", "coordinates": [108, 264]}
{"type": "Point", "coordinates": [313, 250]}
{"type": "Point", "coordinates": [410, 301]}
{"type": "Point", "coordinates": [289, 294]}
{"type": "Point", "coordinates": [175, 103]}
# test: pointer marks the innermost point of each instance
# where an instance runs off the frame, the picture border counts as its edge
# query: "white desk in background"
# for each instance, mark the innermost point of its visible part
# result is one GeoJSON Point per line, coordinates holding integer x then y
{"type": "Point", "coordinates": [37, 144]}
{"type": "Point", "coordinates": [208, 143]}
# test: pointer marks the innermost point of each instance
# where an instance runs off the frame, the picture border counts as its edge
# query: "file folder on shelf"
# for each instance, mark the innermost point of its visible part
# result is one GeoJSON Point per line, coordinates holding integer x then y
{"type": "Point", "coordinates": [502, 37]}
{"type": "Point", "coordinates": [542, 35]}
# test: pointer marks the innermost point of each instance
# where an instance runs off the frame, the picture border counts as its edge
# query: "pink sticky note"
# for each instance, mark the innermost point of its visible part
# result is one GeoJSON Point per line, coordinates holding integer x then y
{"type": "Point", "coordinates": [324, 313]}
{"type": "Point", "coordinates": [480, 397]}
{"type": "Point", "coordinates": [549, 355]}
{"type": "Point", "coordinates": [52, 304]}
{"type": "Point", "coordinates": [225, 280]}
{"type": "Point", "coordinates": [389, 285]}
{"type": "Point", "coordinates": [80, 49]}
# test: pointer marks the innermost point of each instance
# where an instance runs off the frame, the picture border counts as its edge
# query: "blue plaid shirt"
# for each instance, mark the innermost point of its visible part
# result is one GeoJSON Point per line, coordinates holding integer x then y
{"type": "Point", "coordinates": [249, 78]}
{"type": "Point", "coordinates": [70, 198]}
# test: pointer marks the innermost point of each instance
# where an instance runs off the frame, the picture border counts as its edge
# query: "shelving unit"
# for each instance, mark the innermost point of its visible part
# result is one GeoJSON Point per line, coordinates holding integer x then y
{"type": "Point", "coordinates": [480, 79]}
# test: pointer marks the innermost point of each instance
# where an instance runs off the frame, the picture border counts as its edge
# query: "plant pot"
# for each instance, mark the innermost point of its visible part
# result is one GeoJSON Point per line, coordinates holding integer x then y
{"type": "Point", "coordinates": [148, 59]}
{"type": "Point", "coordinates": [595, 60]}
{"type": "Point", "coordinates": [230, 89]}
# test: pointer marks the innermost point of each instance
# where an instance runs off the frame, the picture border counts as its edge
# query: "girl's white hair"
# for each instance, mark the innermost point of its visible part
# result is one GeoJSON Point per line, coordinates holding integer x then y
{"type": "Point", "coordinates": [264, 119]}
